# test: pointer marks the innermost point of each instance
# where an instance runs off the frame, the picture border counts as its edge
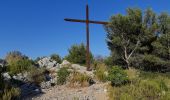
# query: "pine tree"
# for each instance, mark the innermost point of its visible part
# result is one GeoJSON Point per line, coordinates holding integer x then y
{"type": "Point", "coordinates": [124, 33]}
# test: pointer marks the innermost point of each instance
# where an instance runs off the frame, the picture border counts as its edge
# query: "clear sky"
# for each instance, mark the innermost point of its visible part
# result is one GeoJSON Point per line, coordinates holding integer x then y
{"type": "Point", "coordinates": [36, 27]}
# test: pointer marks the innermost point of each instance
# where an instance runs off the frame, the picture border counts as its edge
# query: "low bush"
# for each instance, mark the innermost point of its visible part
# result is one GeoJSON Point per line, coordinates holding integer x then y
{"type": "Point", "coordinates": [19, 66]}
{"type": "Point", "coordinates": [77, 79]}
{"type": "Point", "coordinates": [117, 76]}
{"type": "Point", "coordinates": [36, 75]}
{"type": "Point", "coordinates": [62, 75]}
{"type": "Point", "coordinates": [14, 56]}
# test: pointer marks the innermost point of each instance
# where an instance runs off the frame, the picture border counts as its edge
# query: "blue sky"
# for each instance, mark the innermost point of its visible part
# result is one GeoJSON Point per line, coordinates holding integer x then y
{"type": "Point", "coordinates": [36, 27]}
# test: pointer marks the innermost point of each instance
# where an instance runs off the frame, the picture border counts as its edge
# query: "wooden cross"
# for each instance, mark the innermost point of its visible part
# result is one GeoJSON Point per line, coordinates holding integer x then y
{"type": "Point", "coordinates": [87, 21]}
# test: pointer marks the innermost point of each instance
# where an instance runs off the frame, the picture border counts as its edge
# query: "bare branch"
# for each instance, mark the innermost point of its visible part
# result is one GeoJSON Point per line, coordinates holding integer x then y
{"type": "Point", "coordinates": [133, 49]}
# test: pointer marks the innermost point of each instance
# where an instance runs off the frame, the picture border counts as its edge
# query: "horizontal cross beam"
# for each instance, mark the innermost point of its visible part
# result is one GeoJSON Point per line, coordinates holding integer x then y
{"type": "Point", "coordinates": [84, 21]}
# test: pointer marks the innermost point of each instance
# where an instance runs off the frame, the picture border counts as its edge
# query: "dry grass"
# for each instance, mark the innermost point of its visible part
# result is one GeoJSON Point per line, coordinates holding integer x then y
{"type": "Point", "coordinates": [132, 73]}
{"type": "Point", "coordinates": [101, 72]}
{"type": "Point", "coordinates": [143, 86]}
{"type": "Point", "coordinates": [77, 79]}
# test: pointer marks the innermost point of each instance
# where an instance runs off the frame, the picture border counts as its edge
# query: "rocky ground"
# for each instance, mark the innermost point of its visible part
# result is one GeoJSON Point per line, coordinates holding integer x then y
{"type": "Point", "coordinates": [95, 92]}
{"type": "Point", "coordinates": [46, 91]}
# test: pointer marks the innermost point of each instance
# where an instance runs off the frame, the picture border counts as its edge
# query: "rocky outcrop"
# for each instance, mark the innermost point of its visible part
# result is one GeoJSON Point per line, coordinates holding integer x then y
{"type": "Point", "coordinates": [47, 62]}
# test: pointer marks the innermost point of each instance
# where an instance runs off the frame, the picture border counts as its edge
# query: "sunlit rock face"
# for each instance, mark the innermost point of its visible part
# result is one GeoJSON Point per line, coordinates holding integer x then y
{"type": "Point", "coordinates": [6, 76]}
{"type": "Point", "coordinates": [47, 62]}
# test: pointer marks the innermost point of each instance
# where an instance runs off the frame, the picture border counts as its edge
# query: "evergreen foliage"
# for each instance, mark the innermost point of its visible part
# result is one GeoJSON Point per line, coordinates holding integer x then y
{"type": "Point", "coordinates": [141, 40]}
{"type": "Point", "coordinates": [14, 56]}
{"type": "Point", "coordinates": [56, 57]}
{"type": "Point", "coordinates": [77, 54]}
{"type": "Point", "coordinates": [117, 76]}
{"type": "Point", "coordinates": [62, 74]}
{"type": "Point", "coordinates": [19, 66]}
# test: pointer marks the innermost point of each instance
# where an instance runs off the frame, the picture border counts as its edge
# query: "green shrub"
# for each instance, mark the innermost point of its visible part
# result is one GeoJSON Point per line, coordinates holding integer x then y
{"type": "Point", "coordinates": [14, 56]}
{"type": "Point", "coordinates": [56, 57]}
{"type": "Point", "coordinates": [62, 75]}
{"type": "Point", "coordinates": [19, 66]}
{"type": "Point", "coordinates": [101, 72]}
{"type": "Point", "coordinates": [117, 76]}
{"type": "Point", "coordinates": [77, 54]}
{"type": "Point", "coordinates": [36, 75]}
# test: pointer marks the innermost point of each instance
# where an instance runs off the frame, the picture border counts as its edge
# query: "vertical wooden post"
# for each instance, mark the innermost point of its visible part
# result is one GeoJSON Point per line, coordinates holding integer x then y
{"type": "Point", "coordinates": [87, 35]}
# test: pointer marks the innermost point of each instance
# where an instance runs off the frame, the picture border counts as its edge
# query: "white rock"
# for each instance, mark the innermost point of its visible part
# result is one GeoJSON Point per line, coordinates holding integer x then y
{"type": "Point", "coordinates": [82, 69]}
{"type": "Point", "coordinates": [47, 62]}
{"type": "Point", "coordinates": [6, 76]}
{"type": "Point", "coordinates": [65, 62]}
{"type": "Point", "coordinates": [21, 76]}
{"type": "Point", "coordinates": [76, 66]}
{"type": "Point", "coordinates": [53, 69]}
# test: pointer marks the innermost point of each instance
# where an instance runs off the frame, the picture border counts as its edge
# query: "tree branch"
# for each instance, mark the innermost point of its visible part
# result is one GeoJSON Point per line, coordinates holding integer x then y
{"type": "Point", "coordinates": [133, 49]}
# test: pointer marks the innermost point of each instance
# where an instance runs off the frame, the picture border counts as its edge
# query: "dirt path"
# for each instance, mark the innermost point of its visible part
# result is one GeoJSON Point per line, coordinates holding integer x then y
{"type": "Point", "coordinates": [94, 92]}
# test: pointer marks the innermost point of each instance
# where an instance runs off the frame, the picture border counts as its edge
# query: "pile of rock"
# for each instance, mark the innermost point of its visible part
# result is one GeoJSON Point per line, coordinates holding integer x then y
{"type": "Point", "coordinates": [47, 62]}
{"type": "Point", "coordinates": [53, 67]}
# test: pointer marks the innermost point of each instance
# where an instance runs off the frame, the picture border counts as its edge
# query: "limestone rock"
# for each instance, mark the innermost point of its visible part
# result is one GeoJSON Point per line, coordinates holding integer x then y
{"type": "Point", "coordinates": [47, 62]}
{"type": "Point", "coordinates": [82, 69]}
{"type": "Point", "coordinates": [65, 63]}
{"type": "Point", "coordinates": [6, 76]}
{"type": "Point", "coordinates": [21, 76]}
